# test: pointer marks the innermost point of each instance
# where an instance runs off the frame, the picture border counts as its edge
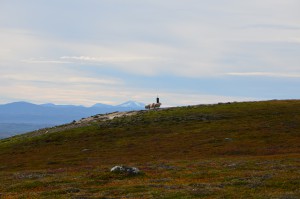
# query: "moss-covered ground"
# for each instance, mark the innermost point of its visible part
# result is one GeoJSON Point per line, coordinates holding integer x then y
{"type": "Point", "coordinates": [235, 150]}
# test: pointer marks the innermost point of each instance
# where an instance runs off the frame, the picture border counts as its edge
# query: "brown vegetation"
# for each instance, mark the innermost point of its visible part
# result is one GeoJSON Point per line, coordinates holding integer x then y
{"type": "Point", "coordinates": [237, 150]}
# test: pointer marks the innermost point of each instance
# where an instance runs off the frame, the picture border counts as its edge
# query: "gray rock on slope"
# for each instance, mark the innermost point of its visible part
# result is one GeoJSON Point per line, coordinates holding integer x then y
{"type": "Point", "coordinates": [125, 169]}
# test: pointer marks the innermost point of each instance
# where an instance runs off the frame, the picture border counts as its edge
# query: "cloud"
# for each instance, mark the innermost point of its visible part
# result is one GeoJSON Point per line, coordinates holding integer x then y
{"type": "Point", "coordinates": [3, 50]}
{"type": "Point", "coordinates": [61, 79]}
{"type": "Point", "coordinates": [108, 59]}
{"type": "Point", "coordinates": [266, 74]}
{"type": "Point", "coordinates": [274, 26]}
{"type": "Point", "coordinates": [88, 46]}
{"type": "Point", "coordinates": [91, 94]}
{"type": "Point", "coordinates": [40, 61]}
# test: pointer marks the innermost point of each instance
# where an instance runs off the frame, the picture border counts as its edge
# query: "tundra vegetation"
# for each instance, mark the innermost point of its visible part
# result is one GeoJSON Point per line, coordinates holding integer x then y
{"type": "Point", "coordinates": [232, 150]}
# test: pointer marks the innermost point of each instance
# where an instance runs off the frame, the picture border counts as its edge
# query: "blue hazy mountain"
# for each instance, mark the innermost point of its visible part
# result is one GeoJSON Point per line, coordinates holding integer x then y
{"type": "Point", "coordinates": [20, 117]}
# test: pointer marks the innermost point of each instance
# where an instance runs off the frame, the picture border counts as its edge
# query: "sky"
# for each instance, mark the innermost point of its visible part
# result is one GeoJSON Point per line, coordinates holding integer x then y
{"type": "Point", "coordinates": [187, 52]}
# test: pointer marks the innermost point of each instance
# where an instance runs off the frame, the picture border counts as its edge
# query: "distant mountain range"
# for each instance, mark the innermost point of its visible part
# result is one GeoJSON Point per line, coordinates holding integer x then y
{"type": "Point", "coordinates": [20, 117]}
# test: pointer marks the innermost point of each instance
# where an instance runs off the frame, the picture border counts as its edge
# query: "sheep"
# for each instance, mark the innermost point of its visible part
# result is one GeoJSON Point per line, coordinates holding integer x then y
{"type": "Point", "coordinates": [156, 105]}
{"type": "Point", "coordinates": [153, 106]}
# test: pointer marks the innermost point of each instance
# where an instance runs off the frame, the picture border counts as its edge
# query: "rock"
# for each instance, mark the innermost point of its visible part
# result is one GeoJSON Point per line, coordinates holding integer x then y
{"type": "Point", "coordinates": [228, 139]}
{"type": "Point", "coordinates": [125, 169]}
{"type": "Point", "coordinates": [85, 150]}
{"type": "Point", "coordinates": [232, 165]}
{"type": "Point", "coordinates": [29, 175]}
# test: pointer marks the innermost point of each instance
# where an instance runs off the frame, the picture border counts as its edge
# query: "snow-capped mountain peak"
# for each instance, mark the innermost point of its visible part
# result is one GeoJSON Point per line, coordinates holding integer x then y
{"type": "Point", "coordinates": [132, 104]}
{"type": "Point", "coordinates": [100, 105]}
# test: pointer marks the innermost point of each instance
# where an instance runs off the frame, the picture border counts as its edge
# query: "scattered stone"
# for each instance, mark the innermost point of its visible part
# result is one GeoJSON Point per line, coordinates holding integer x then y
{"type": "Point", "coordinates": [167, 167]}
{"type": "Point", "coordinates": [201, 185]}
{"type": "Point", "coordinates": [29, 175]}
{"type": "Point", "coordinates": [288, 196]}
{"type": "Point", "coordinates": [232, 165]}
{"type": "Point", "coordinates": [125, 169]}
{"type": "Point", "coordinates": [85, 150]}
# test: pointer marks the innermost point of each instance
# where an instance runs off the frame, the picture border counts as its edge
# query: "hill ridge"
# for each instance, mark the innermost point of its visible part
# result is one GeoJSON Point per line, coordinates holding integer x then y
{"type": "Point", "coordinates": [35, 116]}
{"type": "Point", "coordinates": [248, 150]}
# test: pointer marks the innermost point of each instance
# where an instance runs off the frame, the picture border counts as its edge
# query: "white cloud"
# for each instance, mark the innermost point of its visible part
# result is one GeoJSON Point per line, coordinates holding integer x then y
{"type": "Point", "coordinates": [91, 94]}
{"type": "Point", "coordinates": [60, 79]}
{"type": "Point", "coordinates": [40, 61]}
{"type": "Point", "coordinates": [266, 74]}
{"type": "Point", "coordinates": [107, 59]}
{"type": "Point", "coordinates": [199, 51]}
{"type": "Point", "coordinates": [148, 38]}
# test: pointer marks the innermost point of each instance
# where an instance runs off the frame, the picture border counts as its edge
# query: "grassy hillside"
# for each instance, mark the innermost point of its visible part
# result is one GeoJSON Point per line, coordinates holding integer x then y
{"type": "Point", "coordinates": [237, 150]}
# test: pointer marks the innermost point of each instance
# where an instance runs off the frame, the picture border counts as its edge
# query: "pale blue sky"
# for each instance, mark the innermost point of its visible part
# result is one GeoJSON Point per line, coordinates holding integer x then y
{"type": "Point", "coordinates": [187, 52]}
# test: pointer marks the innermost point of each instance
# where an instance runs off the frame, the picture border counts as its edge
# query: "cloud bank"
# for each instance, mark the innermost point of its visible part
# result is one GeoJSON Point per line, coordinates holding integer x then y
{"type": "Point", "coordinates": [105, 45]}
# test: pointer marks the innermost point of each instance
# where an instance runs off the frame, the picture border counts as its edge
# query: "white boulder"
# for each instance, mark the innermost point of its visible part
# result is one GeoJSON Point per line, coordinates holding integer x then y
{"type": "Point", "coordinates": [125, 169]}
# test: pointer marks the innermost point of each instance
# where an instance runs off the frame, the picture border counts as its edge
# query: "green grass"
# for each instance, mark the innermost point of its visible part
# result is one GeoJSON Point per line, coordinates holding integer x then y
{"type": "Point", "coordinates": [237, 150]}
